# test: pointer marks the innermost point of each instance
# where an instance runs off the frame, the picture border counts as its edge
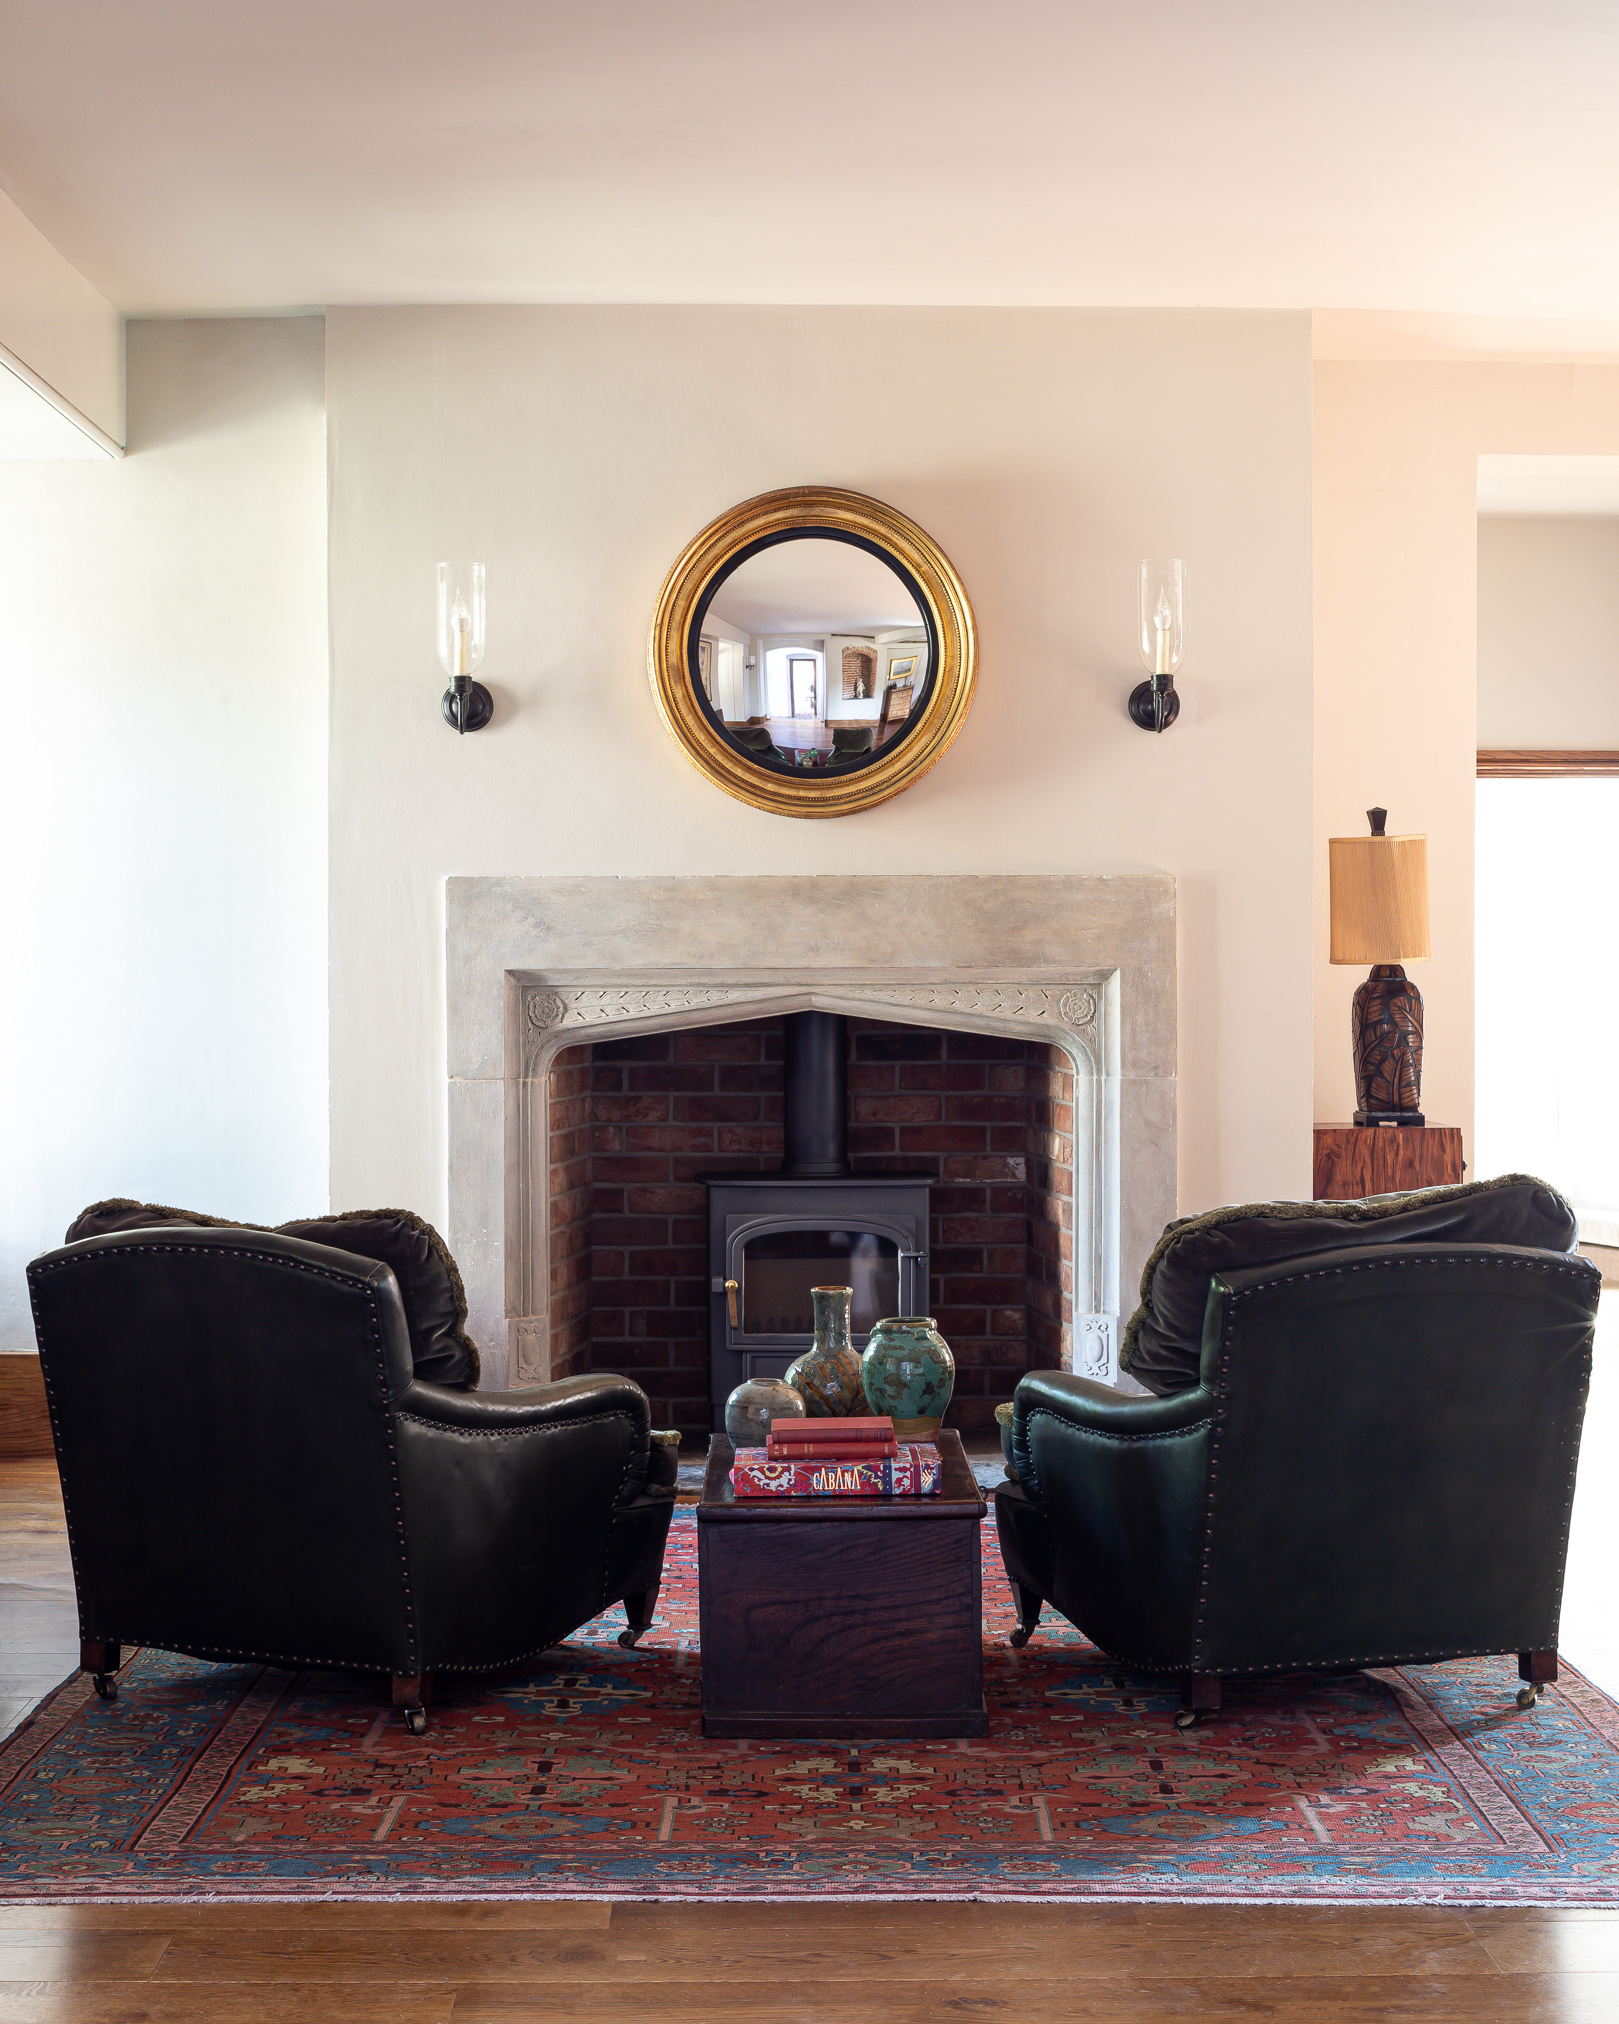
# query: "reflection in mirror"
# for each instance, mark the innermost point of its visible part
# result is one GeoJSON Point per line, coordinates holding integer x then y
{"type": "Point", "coordinates": [813, 653]}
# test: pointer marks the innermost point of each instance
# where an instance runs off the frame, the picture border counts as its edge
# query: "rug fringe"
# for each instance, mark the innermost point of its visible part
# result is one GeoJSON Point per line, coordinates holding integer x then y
{"type": "Point", "coordinates": [1598, 1900]}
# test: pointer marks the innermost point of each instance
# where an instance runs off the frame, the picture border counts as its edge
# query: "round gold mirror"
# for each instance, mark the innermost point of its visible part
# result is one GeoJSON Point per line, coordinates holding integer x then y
{"type": "Point", "coordinates": [813, 652]}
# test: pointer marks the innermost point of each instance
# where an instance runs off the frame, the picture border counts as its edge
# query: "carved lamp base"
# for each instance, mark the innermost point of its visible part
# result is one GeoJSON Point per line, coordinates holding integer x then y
{"type": "Point", "coordinates": [1386, 1023]}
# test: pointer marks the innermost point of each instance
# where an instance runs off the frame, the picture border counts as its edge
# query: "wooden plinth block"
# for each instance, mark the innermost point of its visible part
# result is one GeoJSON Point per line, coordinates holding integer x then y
{"type": "Point", "coordinates": [1353, 1160]}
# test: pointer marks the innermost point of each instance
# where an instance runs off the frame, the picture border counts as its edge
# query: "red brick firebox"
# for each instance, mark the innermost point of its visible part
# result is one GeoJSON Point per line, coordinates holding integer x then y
{"type": "Point", "coordinates": [636, 1124]}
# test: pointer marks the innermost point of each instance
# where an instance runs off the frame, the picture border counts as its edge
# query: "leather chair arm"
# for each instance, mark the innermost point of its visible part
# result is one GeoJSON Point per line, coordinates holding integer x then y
{"type": "Point", "coordinates": [527, 1405]}
{"type": "Point", "coordinates": [1120, 1483]}
{"type": "Point", "coordinates": [569, 1400]}
{"type": "Point", "coordinates": [513, 1506]}
{"type": "Point", "coordinates": [1081, 1403]}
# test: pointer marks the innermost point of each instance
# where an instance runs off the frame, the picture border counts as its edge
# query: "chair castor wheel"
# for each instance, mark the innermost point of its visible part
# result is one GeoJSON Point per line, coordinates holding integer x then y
{"type": "Point", "coordinates": [416, 1721]}
{"type": "Point", "coordinates": [1527, 1696]}
{"type": "Point", "coordinates": [107, 1686]}
{"type": "Point", "coordinates": [1186, 1718]}
{"type": "Point", "coordinates": [1019, 1638]}
{"type": "Point", "coordinates": [627, 1637]}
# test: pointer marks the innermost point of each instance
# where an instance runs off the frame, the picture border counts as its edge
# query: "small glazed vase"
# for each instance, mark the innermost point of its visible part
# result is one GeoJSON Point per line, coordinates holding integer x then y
{"type": "Point", "coordinates": [909, 1373]}
{"type": "Point", "coordinates": [827, 1375]}
{"type": "Point", "coordinates": [752, 1406]}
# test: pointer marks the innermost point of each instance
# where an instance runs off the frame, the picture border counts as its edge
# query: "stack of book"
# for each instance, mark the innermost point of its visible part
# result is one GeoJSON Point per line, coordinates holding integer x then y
{"type": "Point", "coordinates": [828, 1440]}
{"type": "Point", "coordinates": [837, 1458]}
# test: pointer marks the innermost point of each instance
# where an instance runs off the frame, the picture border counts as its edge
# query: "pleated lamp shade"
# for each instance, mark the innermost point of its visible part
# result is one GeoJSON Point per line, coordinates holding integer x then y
{"type": "Point", "coordinates": [1379, 898]}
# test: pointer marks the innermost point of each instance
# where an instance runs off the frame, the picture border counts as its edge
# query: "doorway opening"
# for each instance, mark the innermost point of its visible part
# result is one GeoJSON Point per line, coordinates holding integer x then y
{"type": "Point", "coordinates": [1547, 821]}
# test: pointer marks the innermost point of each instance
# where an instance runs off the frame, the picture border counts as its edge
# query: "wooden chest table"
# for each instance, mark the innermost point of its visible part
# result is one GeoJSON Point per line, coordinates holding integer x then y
{"type": "Point", "coordinates": [832, 1616]}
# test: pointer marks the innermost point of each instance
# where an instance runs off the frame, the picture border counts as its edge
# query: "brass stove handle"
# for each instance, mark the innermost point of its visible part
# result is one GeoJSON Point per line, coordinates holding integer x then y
{"type": "Point", "coordinates": [732, 1288]}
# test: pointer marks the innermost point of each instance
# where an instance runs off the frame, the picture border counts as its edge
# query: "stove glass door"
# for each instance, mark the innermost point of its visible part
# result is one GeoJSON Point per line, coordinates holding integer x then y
{"type": "Point", "coordinates": [780, 1266]}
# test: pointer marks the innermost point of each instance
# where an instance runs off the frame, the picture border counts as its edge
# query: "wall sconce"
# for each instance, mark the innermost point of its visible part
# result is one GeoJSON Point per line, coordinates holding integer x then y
{"type": "Point", "coordinates": [1154, 705]}
{"type": "Point", "coordinates": [467, 705]}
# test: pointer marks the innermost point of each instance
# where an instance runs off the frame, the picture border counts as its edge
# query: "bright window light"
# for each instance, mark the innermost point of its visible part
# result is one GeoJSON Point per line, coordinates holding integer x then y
{"type": "Point", "coordinates": [1548, 982]}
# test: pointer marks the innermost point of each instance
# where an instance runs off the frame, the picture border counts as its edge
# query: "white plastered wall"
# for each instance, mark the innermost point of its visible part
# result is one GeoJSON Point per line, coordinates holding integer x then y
{"type": "Point", "coordinates": [579, 449]}
{"type": "Point", "coordinates": [163, 799]}
{"type": "Point", "coordinates": [1397, 445]}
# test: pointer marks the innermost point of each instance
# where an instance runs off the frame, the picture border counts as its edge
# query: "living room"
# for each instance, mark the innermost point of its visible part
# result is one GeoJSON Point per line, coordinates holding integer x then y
{"type": "Point", "coordinates": [303, 948]}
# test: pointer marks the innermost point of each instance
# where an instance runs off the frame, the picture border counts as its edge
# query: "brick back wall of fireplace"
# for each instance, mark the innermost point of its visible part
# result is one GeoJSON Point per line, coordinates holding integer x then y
{"type": "Point", "coordinates": [636, 1124]}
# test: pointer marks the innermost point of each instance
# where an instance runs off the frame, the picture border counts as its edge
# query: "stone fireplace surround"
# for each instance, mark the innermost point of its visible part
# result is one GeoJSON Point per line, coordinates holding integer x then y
{"type": "Point", "coordinates": [1084, 962]}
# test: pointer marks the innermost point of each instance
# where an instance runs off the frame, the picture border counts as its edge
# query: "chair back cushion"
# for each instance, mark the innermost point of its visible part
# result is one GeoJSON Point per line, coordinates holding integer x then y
{"type": "Point", "coordinates": [222, 1407]}
{"type": "Point", "coordinates": [430, 1286]}
{"type": "Point", "coordinates": [441, 1351]}
{"type": "Point", "coordinates": [1163, 1342]}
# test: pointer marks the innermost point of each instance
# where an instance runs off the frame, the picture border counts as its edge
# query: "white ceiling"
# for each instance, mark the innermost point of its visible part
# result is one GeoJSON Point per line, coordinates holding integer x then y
{"type": "Point", "coordinates": [814, 586]}
{"type": "Point", "coordinates": [1454, 156]}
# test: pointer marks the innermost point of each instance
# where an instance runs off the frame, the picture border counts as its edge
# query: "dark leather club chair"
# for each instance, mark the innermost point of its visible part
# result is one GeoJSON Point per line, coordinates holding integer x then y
{"type": "Point", "coordinates": [1375, 1466]}
{"type": "Point", "coordinates": [251, 1471]}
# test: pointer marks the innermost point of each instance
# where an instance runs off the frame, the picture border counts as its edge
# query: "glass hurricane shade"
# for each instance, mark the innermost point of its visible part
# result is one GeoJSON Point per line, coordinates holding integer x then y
{"type": "Point", "coordinates": [460, 617]}
{"type": "Point", "coordinates": [1161, 644]}
{"type": "Point", "coordinates": [1379, 903]}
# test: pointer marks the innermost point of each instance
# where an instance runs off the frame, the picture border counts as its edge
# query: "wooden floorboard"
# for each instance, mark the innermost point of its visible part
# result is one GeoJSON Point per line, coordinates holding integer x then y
{"type": "Point", "coordinates": [1542, 2000]}
{"type": "Point", "coordinates": [79, 2002]}
{"type": "Point", "coordinates": [796, 1963]}
{"type": "Point", "coordinates": [39, 1619]}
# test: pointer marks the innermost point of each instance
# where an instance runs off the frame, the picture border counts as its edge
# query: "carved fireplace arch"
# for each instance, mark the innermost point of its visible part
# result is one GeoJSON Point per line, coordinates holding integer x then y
{"type": "Point", "coordinates": [558, 1013]}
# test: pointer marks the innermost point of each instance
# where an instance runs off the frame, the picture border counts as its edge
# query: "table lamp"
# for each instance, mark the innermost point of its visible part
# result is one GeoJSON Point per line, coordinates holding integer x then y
{"type": "Point", "coordinates": [1380, 916]}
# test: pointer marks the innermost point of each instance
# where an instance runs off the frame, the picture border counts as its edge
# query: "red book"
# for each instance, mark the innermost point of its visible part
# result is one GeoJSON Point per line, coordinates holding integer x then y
{"type": "Point", "coordinates": [831, 1451]}
{"type": "Point", "coordinates": [916, 1472]}
{"type": "Point", "coordinates": [825, 1427]}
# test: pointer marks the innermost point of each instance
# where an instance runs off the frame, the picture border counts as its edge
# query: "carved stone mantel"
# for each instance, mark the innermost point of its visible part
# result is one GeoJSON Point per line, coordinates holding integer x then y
{"type": "Point", "coordinates": [535, 965]}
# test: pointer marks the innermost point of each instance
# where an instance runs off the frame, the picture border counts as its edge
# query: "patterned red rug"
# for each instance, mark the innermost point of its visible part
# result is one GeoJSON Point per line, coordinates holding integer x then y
{"type": "Point", "coordinates": [590, 1779]}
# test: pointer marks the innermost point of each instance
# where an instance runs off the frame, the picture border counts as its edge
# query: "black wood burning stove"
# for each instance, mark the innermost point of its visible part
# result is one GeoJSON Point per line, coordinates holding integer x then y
{"type": "Point", "coordinates": [771, 1237]}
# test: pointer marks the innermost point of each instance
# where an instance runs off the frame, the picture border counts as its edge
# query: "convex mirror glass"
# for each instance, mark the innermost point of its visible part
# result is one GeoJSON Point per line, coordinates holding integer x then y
{"type": "Point", "coordinates": [812, 653]}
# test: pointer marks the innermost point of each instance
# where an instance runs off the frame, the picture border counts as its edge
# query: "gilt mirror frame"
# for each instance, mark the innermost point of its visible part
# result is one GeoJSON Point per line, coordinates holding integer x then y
{"type": "Point", "coordinates": [804, 512]}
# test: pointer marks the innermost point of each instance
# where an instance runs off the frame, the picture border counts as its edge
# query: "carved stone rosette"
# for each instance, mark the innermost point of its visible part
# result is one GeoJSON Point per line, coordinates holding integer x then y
{"type": "Point", "coordinates": [1094, 1354]}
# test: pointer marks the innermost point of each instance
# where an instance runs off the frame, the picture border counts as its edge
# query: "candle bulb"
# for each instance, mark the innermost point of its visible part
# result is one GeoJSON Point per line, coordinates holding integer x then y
{"type": "Point", "coordinates": [1154, 705]}
{"type": "Point", "coordinates": [466, 704]}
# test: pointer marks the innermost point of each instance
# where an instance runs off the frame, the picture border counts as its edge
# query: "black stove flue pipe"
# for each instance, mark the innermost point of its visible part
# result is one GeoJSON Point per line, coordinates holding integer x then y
{"type": "Point", "coordinates": [815, 1129]}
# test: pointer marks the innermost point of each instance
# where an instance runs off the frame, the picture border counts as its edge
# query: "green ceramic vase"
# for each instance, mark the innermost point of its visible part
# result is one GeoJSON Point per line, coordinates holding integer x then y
{"type": "Point", "coordinates": [909, 1373]}
{"type": "Point", "coordinates": [828, 1373]}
